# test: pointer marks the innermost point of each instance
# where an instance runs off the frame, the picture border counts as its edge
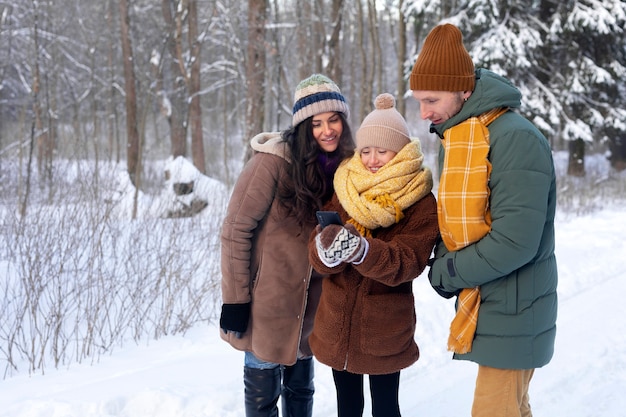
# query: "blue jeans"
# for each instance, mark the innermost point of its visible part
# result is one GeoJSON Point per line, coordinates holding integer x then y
{"type": "Point", "coordinates": [253, 362]}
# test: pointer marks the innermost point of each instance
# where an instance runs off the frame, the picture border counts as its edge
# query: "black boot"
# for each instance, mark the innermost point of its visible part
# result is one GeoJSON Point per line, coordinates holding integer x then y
{"type": "Point", "coordinates": [261, 389]}
{"type": "Point", "coordinates": [298, 389]}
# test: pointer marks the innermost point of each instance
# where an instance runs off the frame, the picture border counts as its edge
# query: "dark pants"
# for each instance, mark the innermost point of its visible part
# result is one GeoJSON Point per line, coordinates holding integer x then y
{"type": "Point", "coordinates": [383, 390]}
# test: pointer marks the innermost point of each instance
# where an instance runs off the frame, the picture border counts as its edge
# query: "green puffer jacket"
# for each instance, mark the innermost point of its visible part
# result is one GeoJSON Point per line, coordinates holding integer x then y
{"type": "Point", "coordinates": [514, 264]}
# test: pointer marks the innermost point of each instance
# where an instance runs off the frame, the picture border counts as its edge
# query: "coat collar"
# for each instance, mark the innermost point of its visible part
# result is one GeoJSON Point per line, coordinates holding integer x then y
{"type": "Point", "coordinates": [272, 143]}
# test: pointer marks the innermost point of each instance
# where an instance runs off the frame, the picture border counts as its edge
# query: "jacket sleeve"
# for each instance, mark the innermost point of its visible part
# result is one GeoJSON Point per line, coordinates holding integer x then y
{"type": "Point", "coordinates": [248, 206]}
{"type": "Point", "coordinates": [314, 258]}
{"type": "Point", "coordinates": [400, 254]}
{"type": "Point", "coordinates": [521, 178]}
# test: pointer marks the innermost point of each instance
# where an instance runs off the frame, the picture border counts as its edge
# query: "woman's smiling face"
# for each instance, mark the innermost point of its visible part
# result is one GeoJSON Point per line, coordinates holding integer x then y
{"type": "Point", "coordinates": [327, 129]}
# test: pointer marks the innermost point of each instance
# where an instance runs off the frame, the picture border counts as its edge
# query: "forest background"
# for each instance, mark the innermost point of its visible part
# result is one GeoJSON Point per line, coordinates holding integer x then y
{"type": "Point", "coordinates": [131, 86]}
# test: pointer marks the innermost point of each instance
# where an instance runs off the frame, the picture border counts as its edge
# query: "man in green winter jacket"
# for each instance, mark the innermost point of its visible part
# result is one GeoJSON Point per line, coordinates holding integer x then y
{"type": "Point", "coordinates": [512, 265]}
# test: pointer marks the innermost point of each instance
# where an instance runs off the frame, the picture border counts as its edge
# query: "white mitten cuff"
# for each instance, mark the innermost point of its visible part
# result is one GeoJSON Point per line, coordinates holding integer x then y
{"type": "Point", "coordinates": [359, 257]}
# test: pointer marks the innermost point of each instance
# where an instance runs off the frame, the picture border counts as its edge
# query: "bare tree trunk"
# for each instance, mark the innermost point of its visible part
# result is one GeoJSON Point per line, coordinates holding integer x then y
{"type": "Point", "coordinates": [225, 133]}
{"type": "Point", "coordinates": [96, 127]}
{"type": "Point", "coordinates": [617, 146]}
{"type": "Point", "coordinates": [49, 90]}
{"type": "Point", "coordinates": [40, 135]}
{"type": "Point", "coordinates": [132, 150]}
{"type": "Point", "coordinates": [21, 186]}
{"type": "Point", "coordinates": [374, 79]}
{"type": "Point", "coordinates": [304, 37]}
{"type": "Point", "coordinates": [334, 47]}
{"type": "Point", "coordinates": [111, 111]}
{"type": "Point", "coordinates": [195, 110]}
{"type": "Point", "coordinates": [255, 72]}
{"type": "Point", "coordinates": [177, 115]}
{"type": "Point", "coordinates": [401, 82]}
{"type": "Point", "coordinates": [317, 36]}
{"type": "Point", "coordinates": [366, 90]}
{"type": "Point", "coordinates": [576, 163]}
{"type": "Point", "coordinates": [276, 72]}
{"type": "Point", "coordinates": [29, 170]}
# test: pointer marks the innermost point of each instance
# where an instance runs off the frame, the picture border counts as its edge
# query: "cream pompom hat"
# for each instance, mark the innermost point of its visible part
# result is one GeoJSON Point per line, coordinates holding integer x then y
{"type": "Point", "coordinates": [384, 127]}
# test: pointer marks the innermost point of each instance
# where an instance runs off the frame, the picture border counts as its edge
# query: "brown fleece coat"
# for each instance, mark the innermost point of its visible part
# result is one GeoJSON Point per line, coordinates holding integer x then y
{"type": "Point", "coordinates": [264, 260]}
{"type": "Point", "coordinates": [365, 322]}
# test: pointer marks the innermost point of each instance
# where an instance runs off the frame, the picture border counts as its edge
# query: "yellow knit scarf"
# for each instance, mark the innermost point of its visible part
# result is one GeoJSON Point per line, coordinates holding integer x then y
{"type": "Point", "coordinates": [463, 209]}
{"type": "Point", "coordinates": [378, 199]}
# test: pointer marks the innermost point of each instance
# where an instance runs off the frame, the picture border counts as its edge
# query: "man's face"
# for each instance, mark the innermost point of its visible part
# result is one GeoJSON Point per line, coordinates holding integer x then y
{"type": "Point", "coordinates": [439, 106]}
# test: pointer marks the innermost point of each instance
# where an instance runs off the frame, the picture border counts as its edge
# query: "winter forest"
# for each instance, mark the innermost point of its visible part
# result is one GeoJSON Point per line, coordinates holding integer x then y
{"type": "Point", "coordinates": [124, 124]}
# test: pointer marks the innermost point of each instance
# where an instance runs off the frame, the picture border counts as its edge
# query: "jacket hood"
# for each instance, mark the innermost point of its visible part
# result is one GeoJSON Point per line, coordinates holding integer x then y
{"type": "Point", "coordinates": [272, 143]}
{"type": "Point", "coordinates": [491, 91]}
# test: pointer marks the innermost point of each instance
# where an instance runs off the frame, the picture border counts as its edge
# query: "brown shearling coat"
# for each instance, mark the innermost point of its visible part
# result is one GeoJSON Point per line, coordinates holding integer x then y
{"type": "Point", "coordinates": [365, 323]}
{"type": "Point", "coordinates": [264, 261]}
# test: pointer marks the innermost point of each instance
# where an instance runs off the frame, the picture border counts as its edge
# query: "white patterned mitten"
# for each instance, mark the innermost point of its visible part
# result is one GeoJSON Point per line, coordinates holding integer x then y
{"type": "Point", "coordinates": [336, 244]}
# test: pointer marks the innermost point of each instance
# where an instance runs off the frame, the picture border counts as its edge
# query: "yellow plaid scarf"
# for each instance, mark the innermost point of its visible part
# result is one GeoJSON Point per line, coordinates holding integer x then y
{"type": "Point", "coordinates": [378, 199]}
{"type": "Point", "coordinates": [463, 209]}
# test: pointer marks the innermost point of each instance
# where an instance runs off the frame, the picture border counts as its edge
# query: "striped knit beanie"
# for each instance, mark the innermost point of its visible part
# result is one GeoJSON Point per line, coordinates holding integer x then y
{"type": "Point", "coordinates": [443, 63]}
{"type": "Point", "coordinates": [384, 127]}
{"type": "Point", "coordinates": [317, 94]}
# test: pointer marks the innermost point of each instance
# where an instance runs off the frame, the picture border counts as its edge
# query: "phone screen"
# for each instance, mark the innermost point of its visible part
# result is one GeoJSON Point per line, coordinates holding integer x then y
{"type": "Point", "coordinates": [324, 218]}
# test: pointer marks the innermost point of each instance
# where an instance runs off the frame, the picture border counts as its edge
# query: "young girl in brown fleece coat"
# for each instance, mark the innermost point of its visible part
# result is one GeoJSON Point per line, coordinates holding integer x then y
{"type": "Point", "coordinates": [365, 321]}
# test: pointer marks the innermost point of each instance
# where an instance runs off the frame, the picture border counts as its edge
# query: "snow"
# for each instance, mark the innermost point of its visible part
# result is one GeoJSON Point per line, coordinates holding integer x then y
{"type": "Point", "coordinates": [199, 375]}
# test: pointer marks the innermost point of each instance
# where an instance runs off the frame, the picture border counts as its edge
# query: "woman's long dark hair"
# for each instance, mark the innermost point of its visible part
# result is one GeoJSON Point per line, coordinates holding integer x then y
{"type": "Point", "coordinates": [307, 188]}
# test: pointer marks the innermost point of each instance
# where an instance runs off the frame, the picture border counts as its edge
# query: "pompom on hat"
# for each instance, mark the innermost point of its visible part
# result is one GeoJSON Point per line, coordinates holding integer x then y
{"type": "Point", "coordinates": [443, 64]}
{"type": "Point", "coordinates": [384, 127]}
{"type": "Point", "coordinates": [317, 94]}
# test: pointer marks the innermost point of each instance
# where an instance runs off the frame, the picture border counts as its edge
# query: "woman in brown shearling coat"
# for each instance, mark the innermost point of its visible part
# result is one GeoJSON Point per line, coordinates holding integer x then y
{"type": "Point", "coordinates": [269, 293]}
{"type": "Point", "coordinates": [365, 322]}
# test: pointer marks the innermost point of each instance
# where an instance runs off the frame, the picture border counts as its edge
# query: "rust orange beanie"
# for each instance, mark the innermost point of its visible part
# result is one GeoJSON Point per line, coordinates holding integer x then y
{"type": "Point", "coordinates": [443, 63]}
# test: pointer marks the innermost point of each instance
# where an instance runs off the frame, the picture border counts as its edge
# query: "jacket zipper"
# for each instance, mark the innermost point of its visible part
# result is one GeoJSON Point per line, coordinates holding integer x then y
{"type": "Point", "coordinates": [303, 311]}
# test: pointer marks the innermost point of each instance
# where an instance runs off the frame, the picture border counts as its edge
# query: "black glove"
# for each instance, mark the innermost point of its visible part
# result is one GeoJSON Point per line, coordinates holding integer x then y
{"type": "Point", "coordinates": [235, 318]}
{"type": "Point", "coordinates": [442, 293]}
{"type": "Point", "coordinates": [441, 251]}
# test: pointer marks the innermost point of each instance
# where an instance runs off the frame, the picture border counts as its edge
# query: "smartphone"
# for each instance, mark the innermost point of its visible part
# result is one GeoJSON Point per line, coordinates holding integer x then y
{"type": "Point", "coordinates": [324, 218]}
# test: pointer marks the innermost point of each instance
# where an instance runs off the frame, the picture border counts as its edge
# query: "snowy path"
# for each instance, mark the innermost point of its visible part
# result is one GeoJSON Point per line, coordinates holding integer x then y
{"type": "Point", "coordinates": [199, 375]}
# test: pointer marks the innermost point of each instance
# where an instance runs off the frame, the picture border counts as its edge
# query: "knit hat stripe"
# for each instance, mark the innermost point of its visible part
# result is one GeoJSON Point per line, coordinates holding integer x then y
{"type": "Point", "coordinates": [317, 94]}
{"type": "Point", "coordinates": [315, 88]}
{"type": "Point", "coordinates": [318, 97]}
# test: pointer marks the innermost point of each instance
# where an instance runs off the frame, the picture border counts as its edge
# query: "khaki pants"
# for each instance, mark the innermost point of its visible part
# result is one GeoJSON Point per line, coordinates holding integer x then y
{"type": "Point", "coordinates": [502, 392]}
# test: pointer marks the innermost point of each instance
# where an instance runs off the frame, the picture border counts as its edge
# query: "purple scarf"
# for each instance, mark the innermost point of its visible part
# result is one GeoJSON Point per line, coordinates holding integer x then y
{"type": "Point", "coordinates": [329, 164]}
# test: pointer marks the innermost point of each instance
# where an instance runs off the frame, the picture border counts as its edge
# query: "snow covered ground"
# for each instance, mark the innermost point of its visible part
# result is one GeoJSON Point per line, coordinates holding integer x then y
{"type": "Point", "coordinates": [199, 375]}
